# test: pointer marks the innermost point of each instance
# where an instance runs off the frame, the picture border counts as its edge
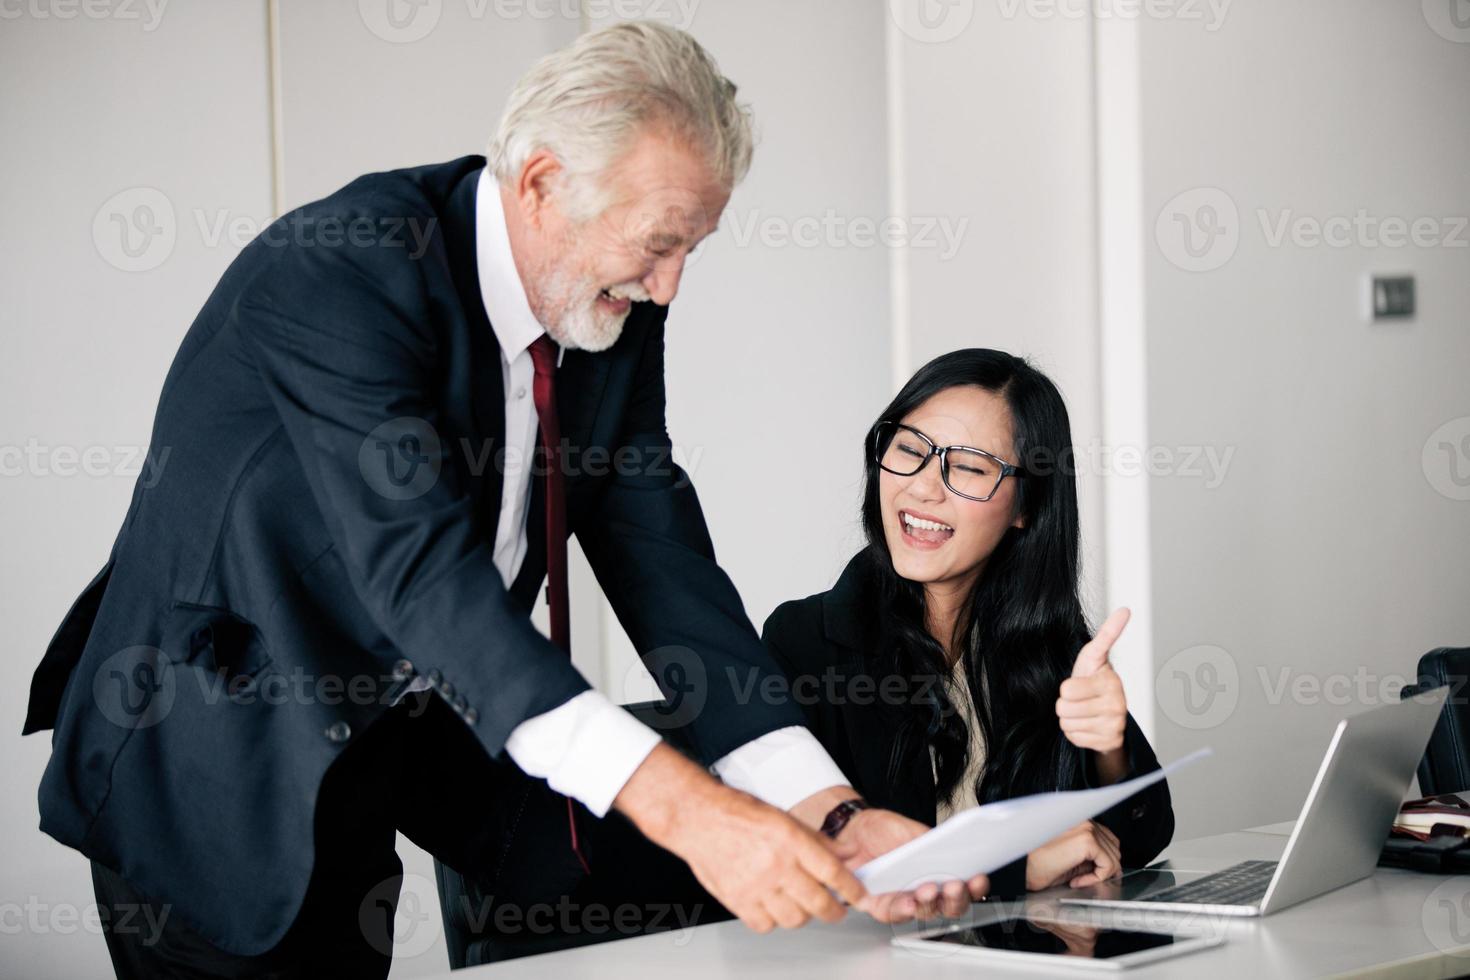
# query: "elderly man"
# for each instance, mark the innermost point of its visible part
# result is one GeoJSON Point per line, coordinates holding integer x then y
{"type": "Point", "coordinates": [313, 630]}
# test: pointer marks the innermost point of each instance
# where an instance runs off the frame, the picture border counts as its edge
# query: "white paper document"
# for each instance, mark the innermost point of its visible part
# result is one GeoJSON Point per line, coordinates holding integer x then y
{"type": "Point", "coordinates": [990, 837]}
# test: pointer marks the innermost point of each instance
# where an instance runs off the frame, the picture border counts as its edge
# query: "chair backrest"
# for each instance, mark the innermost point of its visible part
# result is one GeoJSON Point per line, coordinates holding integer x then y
{"type": "Point", "coordinates": [1445, 767]}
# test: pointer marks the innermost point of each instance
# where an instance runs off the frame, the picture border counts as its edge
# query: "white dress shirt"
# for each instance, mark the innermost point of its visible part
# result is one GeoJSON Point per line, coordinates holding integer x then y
{"type": "Point", "coordinates": [589, 747]}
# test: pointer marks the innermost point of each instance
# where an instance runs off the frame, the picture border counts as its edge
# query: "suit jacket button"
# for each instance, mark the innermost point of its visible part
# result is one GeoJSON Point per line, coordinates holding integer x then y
{"type": "Point", "coordinates": [446, 689]}
{"type": "Point", "coordinates": [435, 677]}
{"type": "Point", "coordinates": [471, 716]}
{"type": "Point", "coordinates": [402, 670]}
{"type": "Point", "coordinates": [460, 703]}
{"type": "Point", "coordinates": [339, 731]}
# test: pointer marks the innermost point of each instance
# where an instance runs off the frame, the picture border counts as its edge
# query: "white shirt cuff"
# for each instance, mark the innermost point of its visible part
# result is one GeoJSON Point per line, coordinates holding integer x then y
{"type": "Point", "coordinates": [588, 749]}
{"type": "Point", "coordinates": [781, 768]}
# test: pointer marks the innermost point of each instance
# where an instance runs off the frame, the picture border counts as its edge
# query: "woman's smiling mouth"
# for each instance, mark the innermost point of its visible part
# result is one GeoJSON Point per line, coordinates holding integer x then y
{"type": "Point", "coordinates": [923, 532]}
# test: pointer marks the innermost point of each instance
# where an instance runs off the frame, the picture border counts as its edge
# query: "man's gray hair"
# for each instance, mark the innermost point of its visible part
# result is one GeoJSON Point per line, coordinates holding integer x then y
{"type": "Point", "coordinates": [588, 101]}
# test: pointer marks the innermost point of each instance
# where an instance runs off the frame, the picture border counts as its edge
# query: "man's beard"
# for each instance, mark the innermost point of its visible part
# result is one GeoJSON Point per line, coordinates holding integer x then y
{"type": "Point", "coordinates": [573, 317]}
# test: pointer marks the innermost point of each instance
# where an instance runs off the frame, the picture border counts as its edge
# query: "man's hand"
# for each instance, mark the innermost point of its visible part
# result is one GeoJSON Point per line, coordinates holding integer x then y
{"type": "Point", "coordinates": [760, 863]}
{"type": "Point", "coordinates": [1092, 709]}
{"type": "Point", "coordinates": [1084, 855]}
{"type": "Point", "coordinates": [870, 833]}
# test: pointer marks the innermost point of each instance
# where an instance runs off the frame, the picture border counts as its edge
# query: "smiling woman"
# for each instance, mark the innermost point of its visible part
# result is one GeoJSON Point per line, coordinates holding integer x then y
{"type": "Point", "coordinates": [967, 592]}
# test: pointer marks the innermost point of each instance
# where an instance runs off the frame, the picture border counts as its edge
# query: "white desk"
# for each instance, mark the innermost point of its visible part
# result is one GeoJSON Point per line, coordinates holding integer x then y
{"type": "Point", "coordinates": [1395, 924]}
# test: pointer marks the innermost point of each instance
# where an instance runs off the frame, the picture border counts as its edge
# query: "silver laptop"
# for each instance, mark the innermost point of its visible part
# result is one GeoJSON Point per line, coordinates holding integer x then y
{"type": "Point", "coordinates": [1336, 840]}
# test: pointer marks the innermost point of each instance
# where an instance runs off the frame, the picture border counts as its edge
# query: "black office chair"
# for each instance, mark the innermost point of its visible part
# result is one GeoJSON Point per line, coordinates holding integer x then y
{"type": "Point", "coordinates": [1445, 767]}
{"type": "Point", "coordinates": [627, 869]}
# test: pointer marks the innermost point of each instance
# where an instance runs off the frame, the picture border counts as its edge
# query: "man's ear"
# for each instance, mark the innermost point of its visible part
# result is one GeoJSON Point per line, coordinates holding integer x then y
{"type": "Point", "coordinates": [536, 185]}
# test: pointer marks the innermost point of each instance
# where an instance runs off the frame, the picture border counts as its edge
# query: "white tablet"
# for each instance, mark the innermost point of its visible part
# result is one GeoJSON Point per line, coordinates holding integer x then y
{"type": "Point", "coordinates": [1046, 944]}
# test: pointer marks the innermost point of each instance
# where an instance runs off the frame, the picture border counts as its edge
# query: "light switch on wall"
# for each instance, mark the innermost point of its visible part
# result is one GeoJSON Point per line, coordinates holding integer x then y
{"type": "Point", "coordinates": [1389, 298]}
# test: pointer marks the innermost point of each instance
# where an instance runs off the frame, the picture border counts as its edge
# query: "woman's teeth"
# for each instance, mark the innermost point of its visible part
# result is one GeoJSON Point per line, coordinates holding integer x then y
{"type": "Point", "coordinates": [919, 522]}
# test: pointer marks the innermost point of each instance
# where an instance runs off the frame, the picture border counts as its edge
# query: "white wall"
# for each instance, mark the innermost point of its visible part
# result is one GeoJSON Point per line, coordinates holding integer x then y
{"type": "Point", "coordinates": [97, 124]}
{"type": "Point", "coordinates": [775, 340]}
{"type": "Point", "coordinates": [1329, 551]}
{"type": "Point", "coordinates": [997, 143]}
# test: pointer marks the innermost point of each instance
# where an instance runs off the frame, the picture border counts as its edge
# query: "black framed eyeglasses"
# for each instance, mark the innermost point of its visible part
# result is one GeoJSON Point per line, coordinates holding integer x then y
{"type": "Point", "coordinates": [968, 472]}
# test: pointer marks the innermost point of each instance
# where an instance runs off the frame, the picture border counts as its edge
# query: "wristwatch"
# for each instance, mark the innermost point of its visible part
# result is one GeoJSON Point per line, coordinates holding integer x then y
{"type": "Point", "coordinates": [839, 815]}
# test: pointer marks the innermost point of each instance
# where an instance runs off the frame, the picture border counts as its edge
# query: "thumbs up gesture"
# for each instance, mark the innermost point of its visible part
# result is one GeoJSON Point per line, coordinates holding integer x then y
{"type": "Point", "coordinates": [1092, 709]}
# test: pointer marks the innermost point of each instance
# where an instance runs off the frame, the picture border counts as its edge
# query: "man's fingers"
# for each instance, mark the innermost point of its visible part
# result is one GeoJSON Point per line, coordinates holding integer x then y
{"type": "Point", "coordinates": [824, 866]}
{"type": "Point", "coordinates": [785, 911]}
{"type": "Point", "coordinates": [979, 887]}
{"type": "Point", "coordinates": [757, 919]}
{"type": "Point", "coordinates": [814, 899]}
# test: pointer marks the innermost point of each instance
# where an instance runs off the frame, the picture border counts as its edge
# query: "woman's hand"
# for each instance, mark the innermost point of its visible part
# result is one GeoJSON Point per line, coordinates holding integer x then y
{"type": "Point", "coordinates": [873, 832]}
{"type": "Point", "coordinates": [1092, 709]}
{"type": "Point", "coordinates": [1084, 855]}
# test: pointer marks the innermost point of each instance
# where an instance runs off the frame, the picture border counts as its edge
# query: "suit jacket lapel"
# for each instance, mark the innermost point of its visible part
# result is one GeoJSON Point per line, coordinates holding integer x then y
{"type": "Point", "coordinates": [488, 396]}
{"type": "Point", "coordinates": [580, 384]}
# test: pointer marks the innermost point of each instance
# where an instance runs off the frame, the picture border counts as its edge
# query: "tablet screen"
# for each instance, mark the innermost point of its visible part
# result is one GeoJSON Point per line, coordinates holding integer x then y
{"type": "Point", "coordinates": [1057, 938]}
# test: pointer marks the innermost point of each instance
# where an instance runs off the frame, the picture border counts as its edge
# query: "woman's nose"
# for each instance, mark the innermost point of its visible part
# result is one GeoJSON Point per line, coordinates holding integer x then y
{"type": "Point", "coordinates": [928, 483]}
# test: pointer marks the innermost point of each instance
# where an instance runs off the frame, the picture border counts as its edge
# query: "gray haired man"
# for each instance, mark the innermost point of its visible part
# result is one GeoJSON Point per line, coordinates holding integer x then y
{"type": "Point", "coordinates": [328, 513]}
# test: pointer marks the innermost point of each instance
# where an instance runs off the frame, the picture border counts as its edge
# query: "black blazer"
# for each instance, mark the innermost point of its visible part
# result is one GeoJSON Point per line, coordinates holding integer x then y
{"type": "Point", "coordinates": [322, 532]}
{"type": "Point", "coordinates": [820, 644]}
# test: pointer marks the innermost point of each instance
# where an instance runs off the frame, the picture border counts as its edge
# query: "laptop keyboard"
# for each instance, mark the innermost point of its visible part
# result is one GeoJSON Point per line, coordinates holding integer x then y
{"type": "Point", "coordinates": [1241, 884]}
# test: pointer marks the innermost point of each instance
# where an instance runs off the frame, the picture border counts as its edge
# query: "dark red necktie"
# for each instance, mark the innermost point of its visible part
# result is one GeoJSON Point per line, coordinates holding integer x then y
{"type": "Point", "coordinates": [543, 356]}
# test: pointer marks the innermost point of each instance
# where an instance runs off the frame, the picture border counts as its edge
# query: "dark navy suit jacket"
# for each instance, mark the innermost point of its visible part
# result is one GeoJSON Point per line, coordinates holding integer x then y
{"type": "Point", "coordinates": [322, 532]}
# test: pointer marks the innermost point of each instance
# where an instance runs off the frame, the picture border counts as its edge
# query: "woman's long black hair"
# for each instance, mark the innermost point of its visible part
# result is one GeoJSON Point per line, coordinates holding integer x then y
{"type": "Point", "coordinates": [1023, 621]}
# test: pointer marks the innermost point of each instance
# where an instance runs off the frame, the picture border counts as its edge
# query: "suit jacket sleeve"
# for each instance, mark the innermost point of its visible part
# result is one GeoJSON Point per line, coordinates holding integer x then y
{"type": "Point", "coordinates": [342, 339]}
{"type": "Point", "coordinates": [649, 546]}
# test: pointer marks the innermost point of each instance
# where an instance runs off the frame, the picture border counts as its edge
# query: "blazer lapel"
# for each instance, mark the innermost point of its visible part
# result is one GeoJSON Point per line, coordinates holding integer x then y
{"type": "Point", "coordinates": [580, 384]}
{"type": "Point", "coordinates": [487, 397]}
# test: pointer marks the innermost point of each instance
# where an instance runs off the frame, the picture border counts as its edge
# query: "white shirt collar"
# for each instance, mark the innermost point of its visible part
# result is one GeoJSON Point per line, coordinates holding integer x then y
{"type": "Point", "coordinates": [515, 326]}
